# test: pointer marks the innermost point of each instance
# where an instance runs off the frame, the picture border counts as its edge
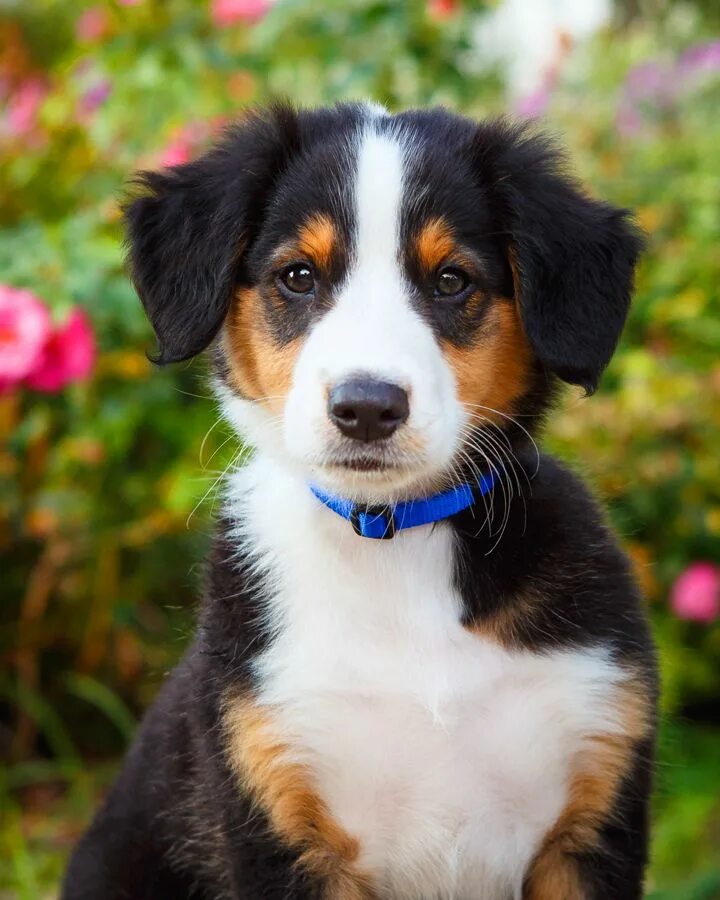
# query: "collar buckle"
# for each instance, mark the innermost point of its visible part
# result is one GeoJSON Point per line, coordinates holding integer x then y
{"type": "Point", "coordinates": [373, 512]}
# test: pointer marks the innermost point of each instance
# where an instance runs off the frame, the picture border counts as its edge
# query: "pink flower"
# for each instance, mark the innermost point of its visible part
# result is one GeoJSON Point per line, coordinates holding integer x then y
{"type": "Point", "coordinates": [187, 141]}
{"type": "Point", "coordinates": [703, 57]}
{"type": "Point", "coordinates": [652, 82]}
{"type": "Point", "coordinates": [130, 2]}
{"type": "Point", "coordinates": [533, 105]}
{"type": "Point", "coordinates": [695, 596]}
{"type": "Point", "coordinates": [176, 153]}
{"type": "Point", "coordinates": [68, 355]}
{"type": "Point", "coordinates": [229, 12]}
{"type": "Point", "coordinates": [94, 97]}
{"type": "Point", "coordinates": [92, 25]}
{"type": "Point", "coordinates": [24, 328]}
{"type": "Point", "coordinates": [24, 104]}
{"type": "Point", "coordinates": [442, 9]}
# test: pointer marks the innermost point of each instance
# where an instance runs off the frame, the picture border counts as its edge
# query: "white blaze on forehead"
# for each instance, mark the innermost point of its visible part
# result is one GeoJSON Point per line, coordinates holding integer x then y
{"type": "Point", "coordinates": [378, 199]}
{"type": "Point", "coordinates": [372, 326]}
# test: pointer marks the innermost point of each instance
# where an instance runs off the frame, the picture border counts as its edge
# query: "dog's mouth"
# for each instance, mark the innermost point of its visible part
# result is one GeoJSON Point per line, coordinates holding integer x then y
{"type": "Point", "coordinates": [361, 463]}
{"type": "Point", "coordinates": [354, 463]}
{"type": "Point", "coordinates": [395, 468]}
{"type": "Point", "coordinates": [378, 472]}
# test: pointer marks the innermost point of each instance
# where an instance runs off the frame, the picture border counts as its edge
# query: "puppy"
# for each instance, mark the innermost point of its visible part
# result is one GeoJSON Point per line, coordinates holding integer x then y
{"type": "Point", "coordinates": [422, 668]}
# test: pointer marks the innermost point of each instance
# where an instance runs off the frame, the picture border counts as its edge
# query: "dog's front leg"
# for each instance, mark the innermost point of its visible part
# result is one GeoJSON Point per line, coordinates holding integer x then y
{"type": "Point", "coordinates": [598, 848]}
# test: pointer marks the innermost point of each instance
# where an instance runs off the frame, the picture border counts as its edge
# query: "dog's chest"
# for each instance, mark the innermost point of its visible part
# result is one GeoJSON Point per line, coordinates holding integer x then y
{"type": "Point", "coordinates": [447, 756]}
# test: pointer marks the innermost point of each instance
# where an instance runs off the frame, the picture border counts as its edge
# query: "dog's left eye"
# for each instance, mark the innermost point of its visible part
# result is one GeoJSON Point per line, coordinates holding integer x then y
{"type": "Point", "coordinates": [298, 278]}
{"type": "Point", "coordinates": [450, 282]}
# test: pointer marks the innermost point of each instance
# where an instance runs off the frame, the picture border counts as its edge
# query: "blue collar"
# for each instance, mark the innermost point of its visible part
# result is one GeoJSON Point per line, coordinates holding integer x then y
{"type": "Point", "coordinates": [383, 522]}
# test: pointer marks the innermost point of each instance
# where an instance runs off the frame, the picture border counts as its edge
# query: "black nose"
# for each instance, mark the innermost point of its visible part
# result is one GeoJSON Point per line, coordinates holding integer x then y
{"type": "Point", "coordinates": [366, 409]}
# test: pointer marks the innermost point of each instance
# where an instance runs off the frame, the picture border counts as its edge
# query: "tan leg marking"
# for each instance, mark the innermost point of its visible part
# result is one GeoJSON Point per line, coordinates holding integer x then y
{"type": "Point", "coordinates": [598, 772]}
{"type": "Point", "coordinates": [284, 790]}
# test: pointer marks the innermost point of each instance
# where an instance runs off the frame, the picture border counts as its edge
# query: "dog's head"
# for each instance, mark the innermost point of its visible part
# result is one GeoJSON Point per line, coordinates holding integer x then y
{"type": "Point", "coordinates": [382, 291]}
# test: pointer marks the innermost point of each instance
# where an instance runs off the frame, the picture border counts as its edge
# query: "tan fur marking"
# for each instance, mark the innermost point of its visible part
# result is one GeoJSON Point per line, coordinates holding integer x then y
{"type": "Point", "coordinates": [597, 774]}
{"type": "Point", "coordinates": [317, 241]}
{"type": "Point", "coordinates": [503, 626]}
{"type": "Point", "coordinates": [284, 790]}
{"type": "Point", "coordinates": [434, 244]}
{"type": "Point", "coordinates": [259, 368]}
{"type": "Point", "coordinates": [554, 876]}
{"type": "Point", "coordinates": [493, 370]}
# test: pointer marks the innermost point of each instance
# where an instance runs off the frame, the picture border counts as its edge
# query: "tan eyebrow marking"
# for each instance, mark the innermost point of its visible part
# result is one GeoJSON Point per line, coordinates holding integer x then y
{"type": "Point", "coordinates": [317, 240]}
{"type": "Point", "coordinates": [435, 243]}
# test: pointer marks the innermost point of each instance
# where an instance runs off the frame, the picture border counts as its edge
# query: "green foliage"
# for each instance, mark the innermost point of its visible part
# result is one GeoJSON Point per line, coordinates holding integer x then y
{"type": "Point", "coordinates": [649, 437]}
{"type": "Point", "coordinates": [106, 490]}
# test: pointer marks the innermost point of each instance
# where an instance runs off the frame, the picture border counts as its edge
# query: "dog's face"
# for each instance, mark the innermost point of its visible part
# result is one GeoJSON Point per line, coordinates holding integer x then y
{"type": "Point", "coordinates": [377, 320]}
{"type": "Point", "coordinates": [388, 292]}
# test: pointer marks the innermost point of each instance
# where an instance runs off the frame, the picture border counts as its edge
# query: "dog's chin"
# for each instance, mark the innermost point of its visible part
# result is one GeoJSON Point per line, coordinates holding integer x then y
{"type": "Point", "coordinates": [370, 479]}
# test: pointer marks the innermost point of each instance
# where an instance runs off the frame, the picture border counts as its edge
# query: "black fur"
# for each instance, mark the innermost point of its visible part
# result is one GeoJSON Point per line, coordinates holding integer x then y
{"type": "Point", "coordinates": [580, 559]}
{"type": "Point", "coordinates": [193, 229]}
{"type": "Point", "coordinates": [574, 256]}
{"type": "Point", "coordinates": [177, 826]}
{"type": "Point", "coordinates": [189, 226]}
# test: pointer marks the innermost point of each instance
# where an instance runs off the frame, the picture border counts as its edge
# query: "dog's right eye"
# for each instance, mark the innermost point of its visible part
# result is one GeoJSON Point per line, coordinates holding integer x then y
{"type": "Point", "coordinates": [298, 278]}
{"type": "Point", "coordinates": [451, 282]}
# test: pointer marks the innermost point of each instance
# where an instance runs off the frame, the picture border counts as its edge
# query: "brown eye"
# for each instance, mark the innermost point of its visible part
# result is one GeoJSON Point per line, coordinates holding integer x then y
{"type": "Point", "coordinates": [451, 282]}
{"type": "Point", "coordinates": [298, 278]}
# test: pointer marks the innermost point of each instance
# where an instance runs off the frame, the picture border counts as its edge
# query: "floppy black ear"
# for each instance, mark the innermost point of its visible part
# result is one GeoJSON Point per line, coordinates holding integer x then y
{"type": "Point", "coordinates": [187, 228]}
{"type": "Point", "coordinates": [572, 257]}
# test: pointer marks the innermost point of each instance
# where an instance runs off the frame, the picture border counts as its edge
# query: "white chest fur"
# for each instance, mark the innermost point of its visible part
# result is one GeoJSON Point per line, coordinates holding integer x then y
{"type": "Point", "coordinates": [447, 756]}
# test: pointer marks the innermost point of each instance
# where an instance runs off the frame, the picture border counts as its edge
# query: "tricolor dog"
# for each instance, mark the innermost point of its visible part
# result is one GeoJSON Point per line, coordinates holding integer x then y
{"type": "Point", "coordinates": [422, 669]}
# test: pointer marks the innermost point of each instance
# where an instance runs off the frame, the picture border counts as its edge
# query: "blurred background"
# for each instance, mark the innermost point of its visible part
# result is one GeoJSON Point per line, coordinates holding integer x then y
{"type": "Point", "coordinates": [109, 470]}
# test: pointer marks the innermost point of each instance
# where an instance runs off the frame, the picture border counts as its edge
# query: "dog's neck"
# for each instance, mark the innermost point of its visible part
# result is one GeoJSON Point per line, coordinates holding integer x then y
{"type": "Point", "coordinates": [270, 498]}
{"type": "Point", "coordinates": [299, 549]}
{"type": "Point", "coordinates": [385, 520]}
